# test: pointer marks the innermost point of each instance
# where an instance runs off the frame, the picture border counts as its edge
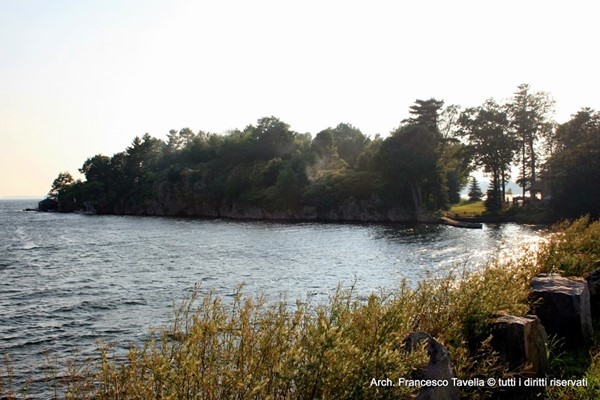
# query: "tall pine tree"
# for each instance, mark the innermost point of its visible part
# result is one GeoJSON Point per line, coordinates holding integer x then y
{"type": "Point", "coordinates": [475, 193]}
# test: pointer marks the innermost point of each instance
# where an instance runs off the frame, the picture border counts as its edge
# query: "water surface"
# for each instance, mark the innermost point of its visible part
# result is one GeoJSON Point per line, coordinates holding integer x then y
{"type": "Point", "coordinates": [67, 280]}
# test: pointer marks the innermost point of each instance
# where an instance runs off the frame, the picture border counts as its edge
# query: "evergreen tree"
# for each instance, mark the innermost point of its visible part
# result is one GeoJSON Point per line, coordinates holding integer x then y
{"type": "Point", "coordinates": [475, 193]}
{"type": "Point", "coordinates": [426, 113]}
{"type": "Point", "coordinates": [429, 115]}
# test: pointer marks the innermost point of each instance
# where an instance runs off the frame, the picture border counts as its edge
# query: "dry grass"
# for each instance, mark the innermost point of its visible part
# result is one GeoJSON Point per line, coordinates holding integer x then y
{"type": "Point", "coordinates": [253, 350]}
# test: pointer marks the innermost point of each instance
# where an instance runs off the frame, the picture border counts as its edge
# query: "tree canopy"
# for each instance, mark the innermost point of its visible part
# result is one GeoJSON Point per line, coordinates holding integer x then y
{"type": "Point", "coordinates": [421, 166]}
{"type": "Point", "coordinates": [490, 145]}
{"type": "Point", "coordinates": [475, 193]}
{"type": "Point", "coordinates": [573, 171]}
{"type": "Point", "coordinates": [530, 118]}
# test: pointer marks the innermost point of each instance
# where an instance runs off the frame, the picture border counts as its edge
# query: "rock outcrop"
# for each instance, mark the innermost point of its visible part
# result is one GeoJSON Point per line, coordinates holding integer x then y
{"type": "Point", "coordinates": [521, 342]}
{"type": "Point", "coordinates": [189, 199]}
{"type": "Point", "coordinates": [593, 281]}
{"type": "Point", "coordinates": [438, 368]}
{"type": "Point", "coordinates": [563, 306]}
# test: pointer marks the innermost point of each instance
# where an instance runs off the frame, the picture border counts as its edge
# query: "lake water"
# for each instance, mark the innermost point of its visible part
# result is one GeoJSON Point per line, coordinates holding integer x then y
{"type": "Point", "coordinates": [68, 280]}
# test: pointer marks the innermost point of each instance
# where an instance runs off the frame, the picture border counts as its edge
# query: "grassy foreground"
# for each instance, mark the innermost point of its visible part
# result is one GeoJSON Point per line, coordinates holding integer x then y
{"type": "Point", "coordinates": [254, 350]}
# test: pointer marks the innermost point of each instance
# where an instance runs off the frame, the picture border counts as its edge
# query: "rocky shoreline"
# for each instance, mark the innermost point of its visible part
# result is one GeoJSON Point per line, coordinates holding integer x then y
{"type": "Point", "coordinates": [561, 307]}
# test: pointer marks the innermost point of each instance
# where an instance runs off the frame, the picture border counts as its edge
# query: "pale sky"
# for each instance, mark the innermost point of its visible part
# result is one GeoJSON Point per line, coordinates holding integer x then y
{"type": "Point", "coordinates": [79, 78]}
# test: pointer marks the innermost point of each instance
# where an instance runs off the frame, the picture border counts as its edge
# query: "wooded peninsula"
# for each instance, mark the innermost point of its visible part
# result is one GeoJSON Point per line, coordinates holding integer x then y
{"type": "Point", "coordinates": [269, 171]}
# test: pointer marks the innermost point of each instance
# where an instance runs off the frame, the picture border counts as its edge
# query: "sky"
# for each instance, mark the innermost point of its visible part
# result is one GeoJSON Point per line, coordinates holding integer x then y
{"type": "Point", "coordinates": [80, 78]}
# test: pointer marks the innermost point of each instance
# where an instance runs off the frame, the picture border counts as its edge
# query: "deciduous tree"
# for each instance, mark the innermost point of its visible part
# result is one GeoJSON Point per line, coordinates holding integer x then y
{"type": "Point", "coordinates": [573, 171]}
{"type": "Point", "coordinates": [491, 145]}
{"type": "Point", "coordinates": [62, 182]}
{"type": "Point", "coordinates": [409, 162]}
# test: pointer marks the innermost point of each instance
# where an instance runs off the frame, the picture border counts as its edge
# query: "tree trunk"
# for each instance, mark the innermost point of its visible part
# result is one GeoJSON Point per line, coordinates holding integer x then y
{"type": "Point", "coordinates": [417, 200]}
{"type": "Point", "coordinates": [523, 177]}
{"type": "Point", "coordinates": [532, 166]}
{"type": "Point", "coordinates": [503, 188]}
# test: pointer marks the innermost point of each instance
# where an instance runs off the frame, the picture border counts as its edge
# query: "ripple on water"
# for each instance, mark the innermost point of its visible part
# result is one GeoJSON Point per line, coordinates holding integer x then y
{"type": "Point", "coordinates": [69, 280]}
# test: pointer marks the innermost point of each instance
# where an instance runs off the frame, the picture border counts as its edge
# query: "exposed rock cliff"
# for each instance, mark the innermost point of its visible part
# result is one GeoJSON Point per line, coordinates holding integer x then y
{"type": "Point", "coordinates": [189, 199]}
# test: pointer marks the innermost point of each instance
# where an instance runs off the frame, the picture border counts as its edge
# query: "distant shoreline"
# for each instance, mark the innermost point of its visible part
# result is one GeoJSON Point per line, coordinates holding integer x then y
{"type": "Point", "coordinates": [38, 198]}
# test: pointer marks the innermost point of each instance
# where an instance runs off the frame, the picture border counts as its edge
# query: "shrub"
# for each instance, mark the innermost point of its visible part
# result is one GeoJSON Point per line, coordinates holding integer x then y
{"type": "Point", "coordinates": [250, 349]}
{"type": "Point", "coordinates": [253, 350]}
{"type": "Point", "coordinates": [574, 248]}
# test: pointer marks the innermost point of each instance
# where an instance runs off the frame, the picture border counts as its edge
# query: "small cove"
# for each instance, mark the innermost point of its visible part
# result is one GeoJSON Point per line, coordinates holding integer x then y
{"type": "Point", "coordinates": [68, 280]}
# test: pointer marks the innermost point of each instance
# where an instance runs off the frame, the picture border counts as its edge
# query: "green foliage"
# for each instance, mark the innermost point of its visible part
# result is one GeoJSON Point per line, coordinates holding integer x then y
{"type": "Point", "coordinates": [239, 180]}
{"type": "Point", "coordinates": [251, 349]}
{"type": "Point", "coordinates": [270, 166]}
{"type": "Point", "coordinates": [574, 249]}
{"type": "Point", "coordinates": [573, 365]}
{"type": "Point", "coordinates": [529, 117]}
{"type": "Point", "coordinates": [573, 171]}
{"type": "Point", "coordinates": [287, 191]}
{"type": "Point", "coordinates": [349, 142]}
{"type": "Point", "coordinates": [422, 165]}
{"type": "Point", "coordinates": [425, 113]}
{"type": "Point", "coordinates": [367, 159]}
{"type": "Point", "coordinates": [97, 168]}
{"type": "Point", "coordinates": [491, 146]}
{"type": "Point", "coordinates": [408, 161]}
{"type": "Point", "coordinates": [334, 189]}
{"type": "Point", "coordinates": [62, 183]}
{"type": "Point", "coordinates": [325, 157]}
{"type": "Point", "coordinates": [142, 158]}
{"type": "Point", "coordinates": [475, 193]}
{"type": "Point", "coordinates": [66, 191]}
{"type": "Point", "coordinates": [454, 159]}
{"type": "Point", "coordinates": [176, 141]}
{"type": "Point", "coordinates": [467, 209]}
{"type": "Point", "coordinates": [493, 200]}
{"type": "Point", "coordinates": [455, 182]}
{"type": "Point", "coordinates": [270, 138]}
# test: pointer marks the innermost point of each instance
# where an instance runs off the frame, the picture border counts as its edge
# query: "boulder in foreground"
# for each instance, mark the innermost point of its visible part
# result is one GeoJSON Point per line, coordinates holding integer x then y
{"type": "Point", "coordinates": [438, 368]}
{"type": "Point", "coordinates": [563, 306]}
{"type": "Point", "coordinates": [521, 342]}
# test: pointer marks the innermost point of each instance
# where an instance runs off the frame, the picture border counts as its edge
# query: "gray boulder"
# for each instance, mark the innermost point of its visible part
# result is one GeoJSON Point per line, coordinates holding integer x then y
{"type": "Point", "coordinates": [438, 368]}
{"type": "Point", "coordinates": [563, 306]}
{"type": "Point", "coordinates": [593, 281]}
{"type": "Point", "coordinates": [521, 342]}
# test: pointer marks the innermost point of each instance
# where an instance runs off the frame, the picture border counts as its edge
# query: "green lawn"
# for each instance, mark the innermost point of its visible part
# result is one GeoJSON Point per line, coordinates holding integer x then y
{"type": "Point", "coordinates": [467, 209]}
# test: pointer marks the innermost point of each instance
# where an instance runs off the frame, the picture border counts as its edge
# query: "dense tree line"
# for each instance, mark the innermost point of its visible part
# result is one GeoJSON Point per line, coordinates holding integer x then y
{"type": "Point", "coordinates": [573, 167]}
{"type": "Point", "coordinates": [421, 166]}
